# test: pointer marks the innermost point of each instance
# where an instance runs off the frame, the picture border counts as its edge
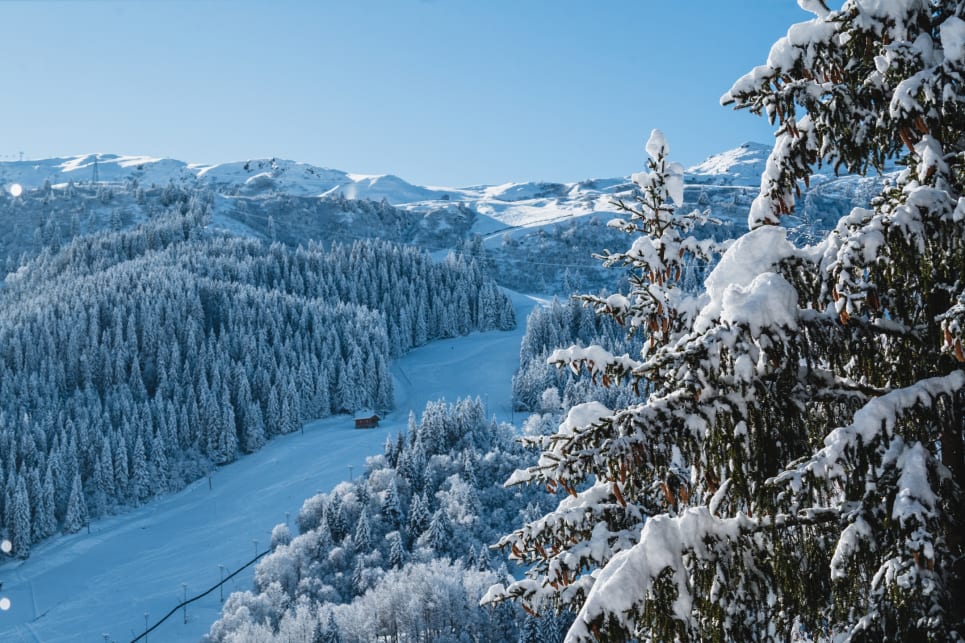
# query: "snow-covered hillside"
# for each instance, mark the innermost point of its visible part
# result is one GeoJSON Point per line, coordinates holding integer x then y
{"type": "Point", "coordinates": [80, 587]}
{"type": "Point", "coordinates": [262, 175]}
{"type": "Point", "coordinates": [539, 234]}
{"type": "Point", "coordinates": [513, 204]}
{"type": "Point", "coordinates": [536, 236]}
{"type": "Point", "coordinates": [740, 166]}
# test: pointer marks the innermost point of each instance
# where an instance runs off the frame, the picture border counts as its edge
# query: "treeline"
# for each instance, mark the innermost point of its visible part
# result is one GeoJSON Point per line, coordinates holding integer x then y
{"type": "Point", "coordinates": [132, 362]}
{"type": "Point", "coordinates": [48, 218]}
{"type": "Point", "coordinates": [402, 552]}
{"type": "Point", "coordinates": [540, 386]}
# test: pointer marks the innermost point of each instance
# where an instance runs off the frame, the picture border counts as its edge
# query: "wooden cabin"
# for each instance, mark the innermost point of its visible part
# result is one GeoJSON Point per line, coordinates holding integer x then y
{"type": "Point", "coordinates": [366, 419]}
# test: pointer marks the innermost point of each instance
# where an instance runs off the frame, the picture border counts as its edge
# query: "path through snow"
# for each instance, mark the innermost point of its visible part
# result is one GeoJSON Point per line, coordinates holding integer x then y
{"type": "Point", "coordinates": [98, 586]}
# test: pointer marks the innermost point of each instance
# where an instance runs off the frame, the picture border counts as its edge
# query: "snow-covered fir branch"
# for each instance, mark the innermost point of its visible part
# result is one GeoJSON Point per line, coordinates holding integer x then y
{"type": "Point", "coordinates": [807, 420]}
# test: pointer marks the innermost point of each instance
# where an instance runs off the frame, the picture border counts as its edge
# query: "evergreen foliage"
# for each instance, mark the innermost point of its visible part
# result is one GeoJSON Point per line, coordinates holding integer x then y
{"type": "Point", "coordinates": [131, 362]}
{"type": "Point", "coordinates": [413, 583]}
{"type": "Point", "coordinates": [803, 418]}
{"type": "Point", "coordinates": [554, 326]}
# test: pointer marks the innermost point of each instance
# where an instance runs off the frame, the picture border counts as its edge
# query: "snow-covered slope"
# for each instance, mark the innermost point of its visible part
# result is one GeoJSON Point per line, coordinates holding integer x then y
{"type": "Point", "coordinates": [384, 186]}
{"type": "Point", "coordinates": [512, 204]}
{"type": "Point", "coordinates": [240, 177]}
{"type": "Point", "coordinates": [740, 166]}
{"type": "Point", "coordinates": [535, 230]}
{"type": "Point", "coordinates": [83, 586]}
{"type": "Point", "coordinates": [270, 175]}
{"type": "Point", "coordinates": [112, 168]}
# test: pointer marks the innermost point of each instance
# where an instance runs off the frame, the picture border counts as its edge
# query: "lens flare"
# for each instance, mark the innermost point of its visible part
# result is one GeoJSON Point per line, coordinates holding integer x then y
{"type": "Point", "coordinates": [16, 190]}
{"type": "Point", "coordinates": [6, 547]}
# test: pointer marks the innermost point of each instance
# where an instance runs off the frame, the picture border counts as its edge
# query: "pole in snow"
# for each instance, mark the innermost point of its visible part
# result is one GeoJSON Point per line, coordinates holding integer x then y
{"type": "Point", "coordinates": [184, 601]}
{"type": "Point", "coordinates": [255, 541]}
{"type": "Point", "coordinates": [221, 584]}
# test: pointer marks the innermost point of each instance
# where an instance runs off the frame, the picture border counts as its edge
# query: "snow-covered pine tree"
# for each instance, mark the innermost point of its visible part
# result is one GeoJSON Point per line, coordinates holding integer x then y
{"type": "Point", "coordinates": [76, 516]}
{"type": "Point", "coordinates": [396, 550]}
{"type": "Point", "coordinates": [439, 532]}
{"type": "Point", "coordinates": [363, 534]}
{"type": "Point", "coordinates": [660, 253]}
{"type": "Point", "coordinates": [20, 522]}
{"type": "Point", "coordinates": [482, 560]}
{"type": "Point", "coordinates": [331, 633]}
{"type": "Point", "coordinates": [807, 423]}
{"type": "Point", "coordinates": [419, 517]}
{"type": "Point", "coordinates": [391, 510]}
{"type": "Point", "coordinates": [359, 583]}
{"type": "Point", "coordinates": [890, 476]}
{"type": "Point", "coordinates": [45, 521]}
{"type": "Point", "coordinates": [337, 523]}
{"type": "Point", "coordinates": [140, 474]}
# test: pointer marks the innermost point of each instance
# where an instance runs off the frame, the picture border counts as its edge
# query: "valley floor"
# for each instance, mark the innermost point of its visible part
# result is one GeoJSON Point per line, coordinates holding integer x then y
{"type": "Point", "coordinates": [98, 586]}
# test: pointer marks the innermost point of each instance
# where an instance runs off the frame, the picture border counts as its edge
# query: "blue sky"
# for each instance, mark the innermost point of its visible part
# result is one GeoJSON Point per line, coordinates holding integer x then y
{"type": "Point", "coordinates": [445, 92]}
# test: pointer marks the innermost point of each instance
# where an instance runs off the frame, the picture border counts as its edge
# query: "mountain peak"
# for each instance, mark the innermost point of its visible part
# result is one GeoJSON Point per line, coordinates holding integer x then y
{"type": "Point", "coordinates": [742, 165]}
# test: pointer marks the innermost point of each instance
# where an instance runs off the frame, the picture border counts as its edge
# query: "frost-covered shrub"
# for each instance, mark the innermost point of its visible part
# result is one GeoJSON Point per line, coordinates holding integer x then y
{"type": "Point", "coordinates": [402, 551]}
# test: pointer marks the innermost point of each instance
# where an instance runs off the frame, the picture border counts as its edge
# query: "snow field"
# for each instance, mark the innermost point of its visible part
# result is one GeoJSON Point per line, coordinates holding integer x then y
{"type": "Point", "coordinates": [81, 587]}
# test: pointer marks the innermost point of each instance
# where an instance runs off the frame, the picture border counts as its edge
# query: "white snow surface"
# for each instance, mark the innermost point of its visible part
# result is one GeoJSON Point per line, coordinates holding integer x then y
{"type": "Point", "coordinates": [521, 204]}
{"type": "Point", "coordinates": [849, 542]}
{"type": "Point", "coordinates": [769, 301]}
{"type": "Point", "coordinates": [583, 415]}
{"type": "Point", "coordinates": [740, 166]}
{"type": "Point", "coordinates": [915, 496]}
{"type": "Point", "coordinates": [731, 283]}
{"type": "Point", "coordinates": [673, 174]}
{"type": "Point", "coordinates": [630, 574]}
{"type": "Point", "coordinates": [953, 39]}
{"type": "Point", "coordinates": [814, 6]}
{"type": "Point", "coordinates": [83, 586]}
{"type": "Point", "coordinates": [657, 144]}
{"type": "Point", "coordinates": [388, 187]}
{"type": "Point", "coordinates": [500, 209]}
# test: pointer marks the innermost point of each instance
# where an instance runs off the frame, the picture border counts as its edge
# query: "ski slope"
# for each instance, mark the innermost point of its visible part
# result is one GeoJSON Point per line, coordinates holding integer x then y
{"type": "Point", "coordinates": [98, 586]}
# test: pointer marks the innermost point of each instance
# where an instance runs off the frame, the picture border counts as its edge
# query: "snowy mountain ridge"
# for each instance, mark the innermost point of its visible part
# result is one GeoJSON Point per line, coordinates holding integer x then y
{"type": "Point", "coordinates": [531, 229]}
{"type": "Point", "coordinates": [511, 203]}
{"type": "Point", "coordinates": [740, 166]}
